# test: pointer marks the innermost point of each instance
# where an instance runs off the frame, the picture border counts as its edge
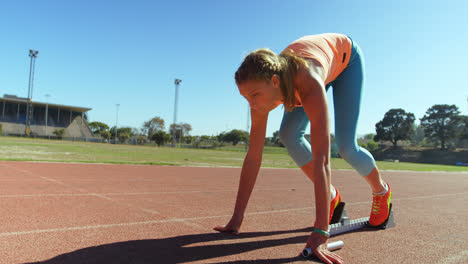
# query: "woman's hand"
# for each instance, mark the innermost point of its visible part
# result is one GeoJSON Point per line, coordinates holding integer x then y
{"type": "Point", "coordinates": [318, 244]}
{"type": "Point", "coordinates": [232, 227]}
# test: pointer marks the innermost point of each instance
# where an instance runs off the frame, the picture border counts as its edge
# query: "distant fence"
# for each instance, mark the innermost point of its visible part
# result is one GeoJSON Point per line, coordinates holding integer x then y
{"type": "Point", "coordinates": [83, 139]}
{"type": "Point", "coordinates": [429, 156]}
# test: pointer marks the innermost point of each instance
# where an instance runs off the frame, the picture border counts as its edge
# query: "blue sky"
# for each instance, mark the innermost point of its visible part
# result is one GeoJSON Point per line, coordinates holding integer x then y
{"type": "Point", "coordinates": [101, 53]}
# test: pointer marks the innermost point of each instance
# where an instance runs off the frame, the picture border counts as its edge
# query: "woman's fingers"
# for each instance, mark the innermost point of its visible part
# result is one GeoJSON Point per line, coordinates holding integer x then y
{"type": "Point", "coordinates": [226, 230]}
{"type": "Point", "coordinates": [219, 228]}
{"type": "Point", "coordinates": [328, 257]}
{"type": "Point", "coordinates": [335, 258]}
{"type": "Point", "coordinates": [322, 257]}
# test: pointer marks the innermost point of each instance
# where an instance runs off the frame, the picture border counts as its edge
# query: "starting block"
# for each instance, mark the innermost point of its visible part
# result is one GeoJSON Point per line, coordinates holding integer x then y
{"type": "Point", "coordinates": [341, 223]}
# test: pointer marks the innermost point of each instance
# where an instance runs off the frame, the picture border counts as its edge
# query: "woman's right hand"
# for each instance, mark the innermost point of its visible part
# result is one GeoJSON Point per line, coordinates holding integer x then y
{"type": "Point", "coordinates": [232, 227]}
{"type": "Point", "coordinates": [318, 244]}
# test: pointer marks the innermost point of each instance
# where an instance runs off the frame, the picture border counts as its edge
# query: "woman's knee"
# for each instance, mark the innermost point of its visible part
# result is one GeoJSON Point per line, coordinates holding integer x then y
{"type": "Point", "coordinates": [347, 151]}
{"type": "Point", "coordinates": [289, 137]}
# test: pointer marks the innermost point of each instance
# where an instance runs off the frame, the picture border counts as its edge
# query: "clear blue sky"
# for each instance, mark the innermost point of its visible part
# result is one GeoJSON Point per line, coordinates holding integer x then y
{"type": "Point", "coordinates": [101, 53]}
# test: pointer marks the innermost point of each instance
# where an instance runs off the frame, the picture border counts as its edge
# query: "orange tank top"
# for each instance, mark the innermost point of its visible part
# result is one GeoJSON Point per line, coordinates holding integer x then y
{"type": "Point", "coordinates": [331, 50]}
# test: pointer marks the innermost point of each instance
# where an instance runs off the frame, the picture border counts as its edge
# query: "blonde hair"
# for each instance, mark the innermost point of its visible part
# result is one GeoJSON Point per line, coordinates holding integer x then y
{"type": "Point", "coordinates": [262, 64]}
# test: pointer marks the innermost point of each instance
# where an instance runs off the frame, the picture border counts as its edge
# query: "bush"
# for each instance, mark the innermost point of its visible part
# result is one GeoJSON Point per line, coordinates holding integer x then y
{"type": "Point", "coordinates": [362, 145]}
{"type": "Point", "coordinates": [216, 144]}
{"type": "Point", "coordinates": [60, 133]}
{"type": "Point", "coordinates": [160, 137]}
{"type": "Point", "coordinates": [1, 130]}
{"type": "Point", "coordinates": [372, 146]}
{"type": "Point", "coordinates": [123, 137]}
{"type": "Point", "coordinates": [141, 139]}
{"type": "Point", "coordinates": [196, 143]}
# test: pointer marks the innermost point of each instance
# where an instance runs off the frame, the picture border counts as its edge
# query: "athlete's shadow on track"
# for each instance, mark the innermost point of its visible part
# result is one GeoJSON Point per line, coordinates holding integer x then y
{"type": "Point", "coordinates": [179, 249]}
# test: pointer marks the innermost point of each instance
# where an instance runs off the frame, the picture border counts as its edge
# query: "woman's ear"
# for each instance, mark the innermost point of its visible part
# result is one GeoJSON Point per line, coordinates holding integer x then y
{"type": "Point", "coordinates": [275, 81]}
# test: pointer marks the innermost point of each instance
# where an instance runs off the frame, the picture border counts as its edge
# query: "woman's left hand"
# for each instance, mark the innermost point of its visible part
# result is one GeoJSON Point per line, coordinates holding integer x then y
{"type": "Point", "coordinates": [318, 244]}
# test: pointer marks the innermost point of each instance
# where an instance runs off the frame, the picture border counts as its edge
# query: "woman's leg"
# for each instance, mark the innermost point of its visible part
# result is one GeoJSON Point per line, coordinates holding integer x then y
{"type": "Point", "coordinates": [292, 131]}
{"type": "Point", "coordinates": [347, 93]}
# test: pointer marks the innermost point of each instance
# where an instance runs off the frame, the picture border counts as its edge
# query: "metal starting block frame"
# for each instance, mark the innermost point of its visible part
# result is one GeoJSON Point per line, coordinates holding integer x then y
{"type": "Point", "coordinates": [342, 224]}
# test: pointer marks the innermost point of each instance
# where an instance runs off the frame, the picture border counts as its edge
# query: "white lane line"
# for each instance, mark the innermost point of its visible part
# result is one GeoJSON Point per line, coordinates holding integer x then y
{"type": "Point", "coordinates": [213, 166]}
{"type": "Point", "coordinates": [142, 193]}
{"type": "Point", "coordinates": [84, 192]}
{"type": "Point", "coordinates": [429, 196]}
{"type": "Point", "coordinates": [172, 220]}
{"type": "Point", "coordinates": [457, 258]}
{"type": "Point", "coordinates": [187, 221]}
{"type": "Point", "coordinates": [104, 195]}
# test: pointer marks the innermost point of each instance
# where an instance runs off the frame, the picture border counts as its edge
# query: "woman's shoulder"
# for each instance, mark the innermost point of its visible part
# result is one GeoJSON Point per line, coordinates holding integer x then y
{"type": "Point", "coordinates": [313, 72]}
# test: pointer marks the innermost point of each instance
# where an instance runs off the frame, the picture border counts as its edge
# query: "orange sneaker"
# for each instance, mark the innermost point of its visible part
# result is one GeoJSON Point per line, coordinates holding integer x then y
{"type": "Point", "coordinates": [380, 208]}
{"type": "Point", "coordinates": [334, 203]}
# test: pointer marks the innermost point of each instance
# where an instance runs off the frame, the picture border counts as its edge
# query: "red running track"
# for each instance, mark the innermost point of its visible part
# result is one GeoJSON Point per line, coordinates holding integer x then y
{"type": "Point", "coordinates": [95, 213]}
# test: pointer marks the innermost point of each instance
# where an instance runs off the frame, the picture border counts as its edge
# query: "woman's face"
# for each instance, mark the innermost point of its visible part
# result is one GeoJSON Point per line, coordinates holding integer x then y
{"type": "Point", "coordinates": [262, 96]}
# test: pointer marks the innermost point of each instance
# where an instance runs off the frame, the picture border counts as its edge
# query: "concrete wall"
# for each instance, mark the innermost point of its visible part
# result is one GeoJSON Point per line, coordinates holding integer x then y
{"type": "Point", "coordinates": [77, 128]}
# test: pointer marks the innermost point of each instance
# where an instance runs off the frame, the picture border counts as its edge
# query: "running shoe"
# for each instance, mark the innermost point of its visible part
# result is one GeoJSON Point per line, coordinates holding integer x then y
{"type": "Point", "coordinates": [380, 208]}
{"type": "Point", "coordinates": [334, 203]}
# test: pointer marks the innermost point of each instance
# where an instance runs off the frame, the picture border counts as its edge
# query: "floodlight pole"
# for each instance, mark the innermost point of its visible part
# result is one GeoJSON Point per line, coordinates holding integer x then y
{"type": "Point", "coordinates": [174, 132]}
{"type": "Point", "coordinates": [29, 109]}
{"type": "Point", "coordinates": [116, 122]}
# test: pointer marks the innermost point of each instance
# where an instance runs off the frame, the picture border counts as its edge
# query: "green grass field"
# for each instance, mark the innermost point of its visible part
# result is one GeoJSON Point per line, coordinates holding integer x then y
{"type": "Point", "coordinates": [27, 149]}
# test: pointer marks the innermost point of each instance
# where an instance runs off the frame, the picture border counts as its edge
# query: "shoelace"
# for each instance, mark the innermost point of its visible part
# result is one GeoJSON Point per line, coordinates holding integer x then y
{"type": "Point", "coordinates": [376, 205]}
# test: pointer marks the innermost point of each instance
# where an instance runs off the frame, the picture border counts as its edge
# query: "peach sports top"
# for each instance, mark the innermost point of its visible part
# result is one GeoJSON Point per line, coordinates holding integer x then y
{"type": "Point", "coordinates": [331, 50]}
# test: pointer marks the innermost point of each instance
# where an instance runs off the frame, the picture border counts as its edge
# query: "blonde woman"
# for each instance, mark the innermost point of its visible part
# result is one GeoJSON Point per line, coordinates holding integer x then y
{"type": "Point", "coordinates": [298, 78]}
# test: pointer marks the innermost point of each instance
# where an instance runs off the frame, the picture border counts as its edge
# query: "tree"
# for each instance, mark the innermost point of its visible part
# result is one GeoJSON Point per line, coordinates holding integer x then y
{"type": "Point", "coordinates": [98, 127]}
{"type": "Point", "coordinates": [123, 137]}
{"type": "Point", "coordinates": [275, 139]}
{"type": "Point", "coordinates": [188, 139]}
{"type": "Point", "coordinates": [462, 127]}
{"type": "Point", "coordinates": [180, 130]}
{"type": "Point", "coordinates": [418, 135]}
{"type": "Point", "coordinates": [369, 136]}
{"type": "Point", "coordinates": [372, 146]}
{"type": "Point", "coordinates": [154, 124]}
{"type": "Point", "coordinates": [235, 136]}
{"type": "Point", "coordinates": [205, 138]}
{"type": "Point", "coordinates": [160, 137]}
{"type": "Point", "coordinates": [105, 134]}
{"type": "Point", "coordinates": [396, 125]}
{"type": "Point", "coordinates": [112, 132]}
{"type": "Point", "coordinates": [123, 133]}
{"type": "Point", "coordinates": [221, 136]}
{"type": "Point", "coordinates": [440, 123]}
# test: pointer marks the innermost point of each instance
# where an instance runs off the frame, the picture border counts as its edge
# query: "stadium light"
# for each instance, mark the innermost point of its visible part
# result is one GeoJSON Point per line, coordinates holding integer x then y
{"type": "Point", "coordinates": [32, 66]}
{"type": "Point", "coordinates": [174, 132]}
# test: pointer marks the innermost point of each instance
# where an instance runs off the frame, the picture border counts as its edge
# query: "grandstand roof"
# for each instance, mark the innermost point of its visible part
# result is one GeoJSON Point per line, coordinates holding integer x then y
{"type": "Point", "coordinates": [16, 99]}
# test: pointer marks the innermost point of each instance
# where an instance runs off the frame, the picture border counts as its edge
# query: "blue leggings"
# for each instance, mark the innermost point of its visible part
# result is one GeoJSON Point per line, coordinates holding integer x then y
{"type": "Point", "coordinates": [347, 92]}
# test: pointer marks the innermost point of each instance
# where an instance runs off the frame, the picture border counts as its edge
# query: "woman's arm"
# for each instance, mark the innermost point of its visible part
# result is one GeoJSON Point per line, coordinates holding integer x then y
{"type": "Point", "coordinates": [249, 171]}
{"type": "Point", "coordinates": [313, 96]}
